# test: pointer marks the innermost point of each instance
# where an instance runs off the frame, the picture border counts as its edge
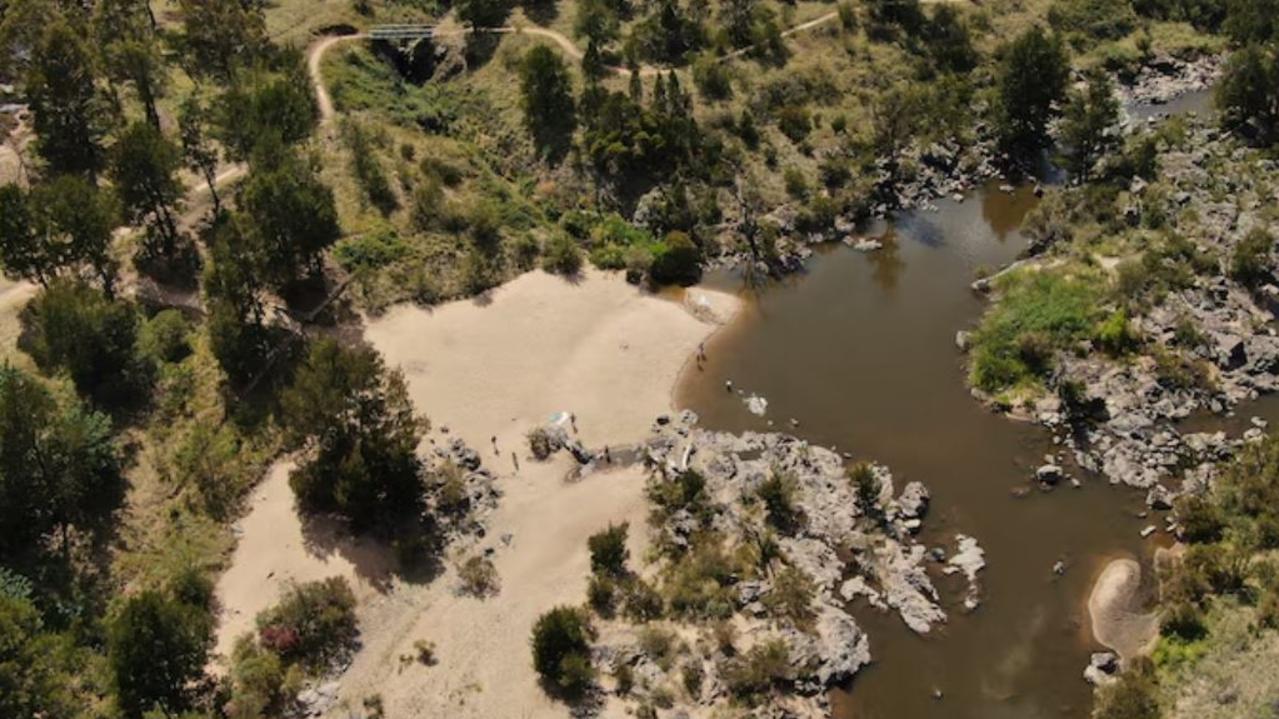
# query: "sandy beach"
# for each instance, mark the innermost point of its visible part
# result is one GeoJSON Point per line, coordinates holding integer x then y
{"type": "Point", "coordinates": [1114, 607]}
{"type": "Point", "coordinates": [493, 367]}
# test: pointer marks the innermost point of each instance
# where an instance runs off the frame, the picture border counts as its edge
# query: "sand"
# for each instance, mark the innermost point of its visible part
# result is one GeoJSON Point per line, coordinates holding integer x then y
{"type": "Point", "coordinates": [1114, 606]}
{"type": "Point", "coordinates": [496, 366]}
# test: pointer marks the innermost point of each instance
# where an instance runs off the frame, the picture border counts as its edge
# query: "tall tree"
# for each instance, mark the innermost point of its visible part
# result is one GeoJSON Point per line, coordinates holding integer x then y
{"type": "Point", "coordinates": [125, 33]}
{"type": "Point", "coordinates": [1248, 93]}
{"type": "Point", "coordinates": [482, 13]}
{"type": "Point", "coordinates": [355, 419]}
{"type": "Point", "coordinates": [76, 328]}
{"type": "Point", "coordinates": [1031, 82]}
{"type": "Point", "coordinates": [267, 105]}
{"type": "Point", "coordinates": [144, 165]}
{"type": "Point", "coordinates": [59, 467]}
{"type": "Point", "coordinates": [547, 97]}
{"type": "Point", "coordinates": [1088, 127]}
{"type": "Point", "coordinates": [158, 646]}
{"type": "Point", "coordinates": [221, 36]}
{"type": "Point", "coordinates": [198, 153]}
{"type": "Point", "coordinates": [70, 118]}
{"type": "Point", "coordinates": [77, 219]}
{"type": "Point", "coordinates": [895, 120]}
{"type": "Point", "coordinates": [292, 212]}
{"type": "Point", "coordinates": [596, 20]}
{"type": "Point", "coordinates": [59, 226]}
{"type": "Point", "coordinates": [38, 669]}
{"type": "Point", "coordinates": [233, 287]}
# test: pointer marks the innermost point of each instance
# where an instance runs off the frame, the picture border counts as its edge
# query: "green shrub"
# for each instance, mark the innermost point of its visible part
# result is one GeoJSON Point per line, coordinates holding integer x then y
{"type": "Point", "coordinates": [370, 251]}
{"type": "Point", "coordinates": [795, 122]}
{"type": "Point", "coordinates": [1133, 696]}
{"type": "Point", "coordinates": [313, 625]}
{"type": "Point", "coordinates": [640, 601]}
{"type": "Point", "coordinates": [562, 256]}
{"type": "Point", "coordinates": [792, 596]}
{"type": "Point", "coordinates": [677, 260]}
{"type": "Point", "coordinates": [796, 183]}
{"type": "Point", "coordinates": [755, 673]}
{"type": "Point", "coordinates": [561, 651]}
{"type": "Point", "coordinates": [778, 495]}
{"type": "Point", "coordinates": [700, 583]}
{"type": "Point", "coordinates": [164, 337]}
{"type": "Point", "coordinates": [608, 550]}
{"type": "Point", "coordinates": [1115, 335]}
{"type": "Point", "coordinates": [712, 78]}
{"type": "Point", "coordinates": [1250, 261]}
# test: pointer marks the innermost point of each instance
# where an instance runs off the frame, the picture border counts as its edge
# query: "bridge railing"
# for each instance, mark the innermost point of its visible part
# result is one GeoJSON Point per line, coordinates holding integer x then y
{"type": "Point", "coordinates": [401, 32]}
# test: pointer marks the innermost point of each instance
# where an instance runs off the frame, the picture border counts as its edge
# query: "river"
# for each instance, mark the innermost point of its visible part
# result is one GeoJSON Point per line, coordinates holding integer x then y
{"type": "Point", "coordinates": [860, 350]}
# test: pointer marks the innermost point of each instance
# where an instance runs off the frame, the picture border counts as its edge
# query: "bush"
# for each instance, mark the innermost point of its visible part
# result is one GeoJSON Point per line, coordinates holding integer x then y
{"type": "Point", "coordinates": [778, 495]}
{"type": "Point", "coordinates": [163, 338]}
{"type": "Point", "coordinates": [792, 597]}
{"type": "Point", "coordinates": [478, 576]}
{"type": "Point", "coordinates": [1115, 335]}
{"type": "Point", "coordinates": [261, 684]}
{"type": "Point", "coordinates": [370, 251]}
{"type": "Point", "coordinates": [1250, 261]}
{"type": "Point", "coordinates": [677, 260]}
{"type": "Point", "coordinates": [562, 256]}
{"type": "Point", "coordinates": [541, 443]}
{"type": "Point", "coordinates": [601, 594]}
{"type": "Point", "coordinates": [608, 550]}
{"type": "Point", "coordinates": [1133, 696]}
{"type": "Point", "coordinates": [561, 651]}
{"type": "Point", "coordinates": [796, 183]}
{"type": "Point", "coordinates": [71, 326]}
{"type": "Point", "coordinates": [794, 122]}
{"type": "Point", "coordinates": [313, 625]}
{"type": "Point", "coordinates": [700, 583]}
{"type": "Point", "coordinates": [764, 666]}
{"type": "Point", "coordinates": [712, 78]}
{"type": "Point", "coordinates": [640, 601]}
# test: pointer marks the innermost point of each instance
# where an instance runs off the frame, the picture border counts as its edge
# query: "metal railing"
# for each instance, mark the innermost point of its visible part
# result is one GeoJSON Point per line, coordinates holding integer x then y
{"type": "Point", "coordinates": [401, 32]}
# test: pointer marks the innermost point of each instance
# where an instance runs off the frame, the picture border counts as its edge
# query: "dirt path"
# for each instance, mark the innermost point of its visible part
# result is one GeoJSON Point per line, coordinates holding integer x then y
{"type": "Point", "coordinates": [315, 54]}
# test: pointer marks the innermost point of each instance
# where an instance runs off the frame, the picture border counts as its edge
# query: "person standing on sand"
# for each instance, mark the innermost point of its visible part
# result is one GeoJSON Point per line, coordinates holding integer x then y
{"type": "Point", "coordinates": [495, 450]}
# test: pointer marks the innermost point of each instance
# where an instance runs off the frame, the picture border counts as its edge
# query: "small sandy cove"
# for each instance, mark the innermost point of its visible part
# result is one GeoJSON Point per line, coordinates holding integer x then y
{"type": "Point", "coordinates": [596, 347]}
{"type": "Point", "coordinates": [1115, 608]}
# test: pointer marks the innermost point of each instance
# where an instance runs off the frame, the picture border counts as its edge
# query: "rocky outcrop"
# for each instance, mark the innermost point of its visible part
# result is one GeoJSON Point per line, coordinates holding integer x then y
{"type": "Point", "coordinates": [848, 546]}
{"type": "Point", "coordinates": [1165, 78]}
{"type": "Point", "coordinates": [1209, 342]}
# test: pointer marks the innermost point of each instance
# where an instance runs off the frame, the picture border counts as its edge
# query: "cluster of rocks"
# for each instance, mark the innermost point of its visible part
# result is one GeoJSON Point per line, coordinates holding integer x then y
{"type": "Point", "coordinates": [1164, 78]}
{"type": "Point", "coordinates": [475, 494]}
{"type": "Point", "coordinates": [1215, 342]}
{"type": "Point", "coordinates": [849, 547]}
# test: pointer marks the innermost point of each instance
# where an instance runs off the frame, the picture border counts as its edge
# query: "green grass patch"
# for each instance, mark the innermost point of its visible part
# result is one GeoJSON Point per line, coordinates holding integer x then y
{"type": "Point", "coordinates": [1039, 313]}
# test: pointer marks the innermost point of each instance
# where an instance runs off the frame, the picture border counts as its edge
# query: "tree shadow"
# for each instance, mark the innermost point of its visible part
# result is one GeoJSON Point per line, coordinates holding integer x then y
{"type": "Point", "coordinates": [542, 12]}
{"type": "Point", "coordinates": [479, 49]}
{"type": "Point", "coordinates": [373, 560]}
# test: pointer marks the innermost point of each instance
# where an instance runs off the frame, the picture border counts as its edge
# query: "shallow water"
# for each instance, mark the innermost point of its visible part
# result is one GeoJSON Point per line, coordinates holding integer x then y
{"type": "Point", "coordinates": [861, 350]}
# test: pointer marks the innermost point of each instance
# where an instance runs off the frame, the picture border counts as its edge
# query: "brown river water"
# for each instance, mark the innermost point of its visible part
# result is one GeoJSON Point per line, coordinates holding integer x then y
{"type": "Point", "coordinates": [860, 349]}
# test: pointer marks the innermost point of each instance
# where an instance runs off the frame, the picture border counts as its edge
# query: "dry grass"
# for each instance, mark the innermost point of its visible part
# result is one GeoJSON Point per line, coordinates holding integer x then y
{"type": "Point", "coordinates": [1233, 673]}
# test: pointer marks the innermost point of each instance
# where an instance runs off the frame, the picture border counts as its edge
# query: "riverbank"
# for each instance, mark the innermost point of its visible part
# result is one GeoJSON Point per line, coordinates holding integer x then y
{"type": "Point", "coordinates": [486, 371]}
